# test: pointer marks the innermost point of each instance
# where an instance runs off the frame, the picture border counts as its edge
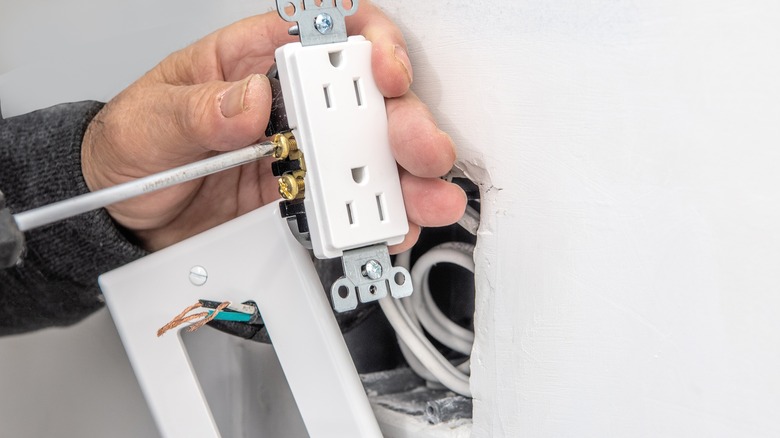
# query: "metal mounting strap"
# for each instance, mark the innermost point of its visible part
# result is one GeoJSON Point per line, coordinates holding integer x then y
{"type": "Point", "coordinates": [369, 276]}
{"type": "Point", "coordinates": [323, 24]}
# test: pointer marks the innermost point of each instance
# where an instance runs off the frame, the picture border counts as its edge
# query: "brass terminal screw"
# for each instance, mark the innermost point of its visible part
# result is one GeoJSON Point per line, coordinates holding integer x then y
{"type": "Point", "coordinates": [290, 187]}
{"type": "Point", "coordinates": [285, 144]}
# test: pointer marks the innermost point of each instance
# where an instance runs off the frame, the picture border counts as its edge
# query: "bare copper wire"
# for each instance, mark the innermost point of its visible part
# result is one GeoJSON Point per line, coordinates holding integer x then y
{"type": "Point", "coordinates": [213, 315]}
{"type": "Point", "coordinates": [182, 318]}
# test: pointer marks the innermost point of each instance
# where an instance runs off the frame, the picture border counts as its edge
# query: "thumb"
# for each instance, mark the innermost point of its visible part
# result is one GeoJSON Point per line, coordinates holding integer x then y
{"type": "Point", "coordinates": [220, 116]}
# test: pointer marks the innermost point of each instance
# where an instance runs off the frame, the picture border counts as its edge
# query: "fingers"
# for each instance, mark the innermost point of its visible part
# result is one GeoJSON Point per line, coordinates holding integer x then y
{"type": "Point", "coordinates": [390, 61]}
{"type": "Point", "coordinates": [215, 116]}
{"type": "Point", "coordinates": [409, 240]}
{"type": "Point", "coordinates": [230, 54]}
{"type": "Point", "coordinates": [247, 47]}
{"type": "Point", "coordinates": [418, 144]}
{"type": "Point", "coordinates": [432, 202]}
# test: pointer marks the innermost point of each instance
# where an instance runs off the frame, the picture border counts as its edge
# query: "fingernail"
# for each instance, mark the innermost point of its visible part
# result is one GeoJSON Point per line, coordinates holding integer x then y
{"type": "Point", "coordinates": [233, 100]}
{"type": "Point", "coordinates": [452, 143]}
{"type": "Point", "coordinates": [403, 59]}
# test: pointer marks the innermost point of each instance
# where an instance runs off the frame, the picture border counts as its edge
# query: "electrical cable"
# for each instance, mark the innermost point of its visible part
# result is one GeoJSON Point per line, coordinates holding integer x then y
{"type": "Point", "coordinates": [409, 316]}
{"type": "Point", "coordinates": [464, 337]}
{"type": "Point", "coordinates": [404, 259]}
{"type": "Point", "coordinates": [421, 347]}
{"type": "Point", "coordinates": [214, 310]}
{"type": "Point", "coordinates": [415, 363]}
{"type": "Point", "coordinates": [429, 315]}
{"type": "Point", "coordinates": [90, 201]}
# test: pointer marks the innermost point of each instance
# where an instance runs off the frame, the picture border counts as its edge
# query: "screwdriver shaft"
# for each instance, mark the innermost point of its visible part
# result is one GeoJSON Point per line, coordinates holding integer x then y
{"type": "Point", "coordinates": [101, 198]}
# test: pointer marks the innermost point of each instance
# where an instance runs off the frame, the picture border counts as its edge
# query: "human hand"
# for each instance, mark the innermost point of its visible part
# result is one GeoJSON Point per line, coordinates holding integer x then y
{"type": "Point", "coordinates": [209, 98]}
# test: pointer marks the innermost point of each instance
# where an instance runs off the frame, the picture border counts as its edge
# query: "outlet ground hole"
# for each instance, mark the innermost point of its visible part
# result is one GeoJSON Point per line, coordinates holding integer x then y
{"type": "Point", "coordinates": [359, 175]}
{"type": "Point", "coordinates": [335, 58]}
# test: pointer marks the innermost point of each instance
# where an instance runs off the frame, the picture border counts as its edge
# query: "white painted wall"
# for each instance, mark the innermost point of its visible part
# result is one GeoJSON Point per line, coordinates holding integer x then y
{"type": "Point", "coordinates": [628, 263]}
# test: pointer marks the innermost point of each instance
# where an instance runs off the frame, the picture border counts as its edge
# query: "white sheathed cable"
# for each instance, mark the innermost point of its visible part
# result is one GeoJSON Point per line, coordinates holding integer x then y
{"type": "Point", "coordinates": [421, 355]}
{"type": "Point", "coordinates": [461, 254]}
{"type": "Point", "coordinates": [415, 363]}
{"type": "Point", "coordinates": [416, 307]}
{"type": "Point", "coordinates": [404, 259]}
{"type": "Point", "coordinates": [410, 311]}
{"type": "Point", "coordinates": [431, 318]}
{"type": "Point", "coordinates": [90, 201]}
{"type": "Point", "coordinates": [413, 337]}
{"type": "Point", "coordinates": [441, 319]}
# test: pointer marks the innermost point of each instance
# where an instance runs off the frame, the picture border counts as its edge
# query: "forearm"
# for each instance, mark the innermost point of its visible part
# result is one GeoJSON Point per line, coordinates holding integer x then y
{"type": "Point", "coordinates": [40, 163]}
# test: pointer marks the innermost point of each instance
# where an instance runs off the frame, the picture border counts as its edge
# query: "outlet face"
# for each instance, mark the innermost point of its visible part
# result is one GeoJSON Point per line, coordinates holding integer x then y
{"type": "Point", "coordinates": [337, 114]}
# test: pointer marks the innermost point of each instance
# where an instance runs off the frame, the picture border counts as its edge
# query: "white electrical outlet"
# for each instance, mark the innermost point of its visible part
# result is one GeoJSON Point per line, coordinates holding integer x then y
{"type": "Point", "coordinates": [337, 114]}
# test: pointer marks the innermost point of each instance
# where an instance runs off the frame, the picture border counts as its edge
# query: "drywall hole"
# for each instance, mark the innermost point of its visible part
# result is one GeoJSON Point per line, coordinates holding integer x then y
{"type": "Point", "coordinates": [380, 201]}
{"type": "Point", "coordinates": [358, 95]}
{"type": "Point", "coordinates": [336, 58]}
{"type": "Point", "coordinates": [326, 90]}
{"type": "Point", "coordinates": [359, 174]}
{"type": "Point", "coordinates": [350, 214]}
{"type": "Point", "coordinates": [343, 292]}
{"type": "Point", "coordinates": [399, 278]}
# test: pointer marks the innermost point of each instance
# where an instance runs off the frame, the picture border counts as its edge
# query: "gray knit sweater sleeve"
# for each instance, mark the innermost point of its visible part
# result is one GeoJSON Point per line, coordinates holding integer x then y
{"type": "Point", "coordinates": [40, 163]}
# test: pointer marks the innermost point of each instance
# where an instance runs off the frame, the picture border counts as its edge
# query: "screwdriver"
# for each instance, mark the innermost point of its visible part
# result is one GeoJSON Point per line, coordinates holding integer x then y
{"type": "Point", "coordinates": [13, 227]}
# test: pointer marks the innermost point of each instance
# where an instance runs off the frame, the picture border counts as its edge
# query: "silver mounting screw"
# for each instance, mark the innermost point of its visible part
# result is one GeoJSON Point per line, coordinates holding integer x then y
{"type": "Point", "coordinates": [198, 275]}
{"type": "Point", "coordinates": [323, 23]}
{"type": "Point", "coordinates": [372, 269]}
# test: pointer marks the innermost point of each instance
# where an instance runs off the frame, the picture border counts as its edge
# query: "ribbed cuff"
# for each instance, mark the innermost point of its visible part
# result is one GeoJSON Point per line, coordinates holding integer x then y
{"type": "Point", "coordinates": [40, 163]}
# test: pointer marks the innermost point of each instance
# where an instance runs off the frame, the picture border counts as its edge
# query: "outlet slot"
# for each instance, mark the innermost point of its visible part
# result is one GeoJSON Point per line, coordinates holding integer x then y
{"type": "Point", "coordinates": [350, 214]}
{"type": "Point", "coordinates": [358, 95]}
{"type": "Point", "coordinates": [335, 58]}
{"type": "Point", "coordinates": [326, 90]}
{"type": "Point", "coordinates": [359, 175]}
{"type": "Point", "coordinates": [380, 201]}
